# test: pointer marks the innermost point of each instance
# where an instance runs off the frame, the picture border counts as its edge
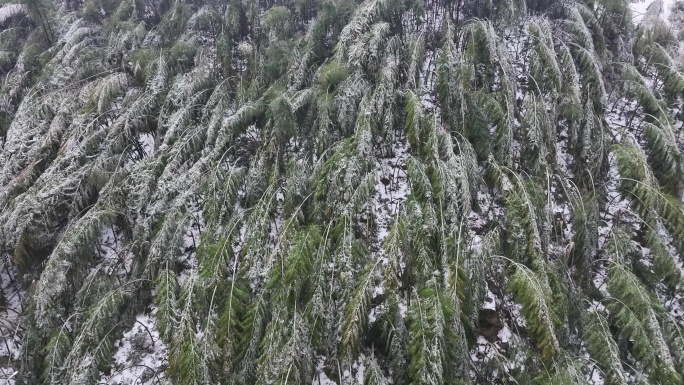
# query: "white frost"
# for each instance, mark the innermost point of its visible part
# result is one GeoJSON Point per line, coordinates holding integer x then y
{"type": "Point", "coordinates": [11, 10]}
{"type": "Point", "coordinates": [10, 314]}
{"type": "Point", "coordinates": [389, 197]}
{"type": "Point", "coordinates": [141, 357]}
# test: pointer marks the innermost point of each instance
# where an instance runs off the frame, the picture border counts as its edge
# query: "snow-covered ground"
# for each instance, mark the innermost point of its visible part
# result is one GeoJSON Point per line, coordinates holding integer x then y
{"type": "Point", "coordinates": [8, 376]}
{"type": "Point", "coordinates": [110, 251]}
{"type": "Point", "coordinates": [391, 189]}
{"type": "Point", "coordinates": [141, 356]}
{"type": "Point", "coordinates": [10, 316]}
{"type": "Point", "coordinates": [191, 238]}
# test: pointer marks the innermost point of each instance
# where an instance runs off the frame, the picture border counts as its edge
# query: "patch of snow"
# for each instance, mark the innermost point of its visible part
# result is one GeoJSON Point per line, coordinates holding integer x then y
{"type": "Point", "coordinates": [563, 158]}
{"type": "Point", "coordinates": [475, 243]}
{"type": "Point", "coordinates": [617, 206]}
{"type": "Point", "coordinates": [320, 378]}
{"type": "Point", "coordinates": [239, 211]}
{"type": "Point", "coordinates": [10, 315]}
{"type": "Point", "coordinates": [427, 81]}
{"type": "Point", "coordinates": [354, 374]}
{"type": "Point", "coordinates": [515, 310]}
{"type": "Point", "coordinates": [599, 279]}
{"type": "Point", "coordinates": [476, 221]}
{"type": "Point", "coordinates": [375, 313]}
{"type": "Point", "coordinates": [596, 306]}
{"type": "Point", "coordinates": [141, 356]}
{"type": "Point", "coordinates": [278, 221]}
{"type": "Point", "coordinates": [110, 251]}
{"type": "Point", "coordinates": [391, 190]}
{"type": "Point", "coordinates": [8, 376]}
{"type": "Point", "coordinates": [11, 10]}
{"type": "Point", "coordinates": [675, 307]}
{"type": "Point", "coordinates": [596, 376]}
{"type": "Point", "coordinates": [490, 301]}
{"type": "Point", "coordinates": [146, 141]}
{"type": "Point", "coordinates": [403, 309]}
{"type": "Point", "coordinates": [505, 334]}
{"type": "Point", "coordinates": [483, 351]}
{"type": "Point", "coordinates": [191, 238]}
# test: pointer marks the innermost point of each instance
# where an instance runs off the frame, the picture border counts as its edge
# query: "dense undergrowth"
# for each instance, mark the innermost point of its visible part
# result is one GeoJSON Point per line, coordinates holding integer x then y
{"type": "Point", "coordinates": [340, 191]}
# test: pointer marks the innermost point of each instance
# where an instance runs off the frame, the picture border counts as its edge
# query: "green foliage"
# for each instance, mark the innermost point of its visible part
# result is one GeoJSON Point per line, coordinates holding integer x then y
{"type": "Point", "coordinates": [269, 192]}
{"type": "Point", "coordinates": [167, 292]}
{"type": "Point", "coordinates": [522, 236]}
{"type": "Point", "coordinates": [665, 158]}
{"type": "Point", "coordinates": [536, 133]}
{"type": "Point", "coordinates": [591, 146]}
{"type": "Point", "coordinates": [356, 313]}
{"type": "Point", "coordinates": [364, 16]}
{"type": "Point", "coordinates": [275, 21]}
{"type": "Point", "coordinates": [295, 281]}
{"type": "Point", "coordinates": [585, 221]}
{"type": "Point", "coordinates": [640, 184]}
{"type": "Point", "coordinates": [332, 74]}
{"type": "Point", "coordinates": [673, 80]}
{"type": "Point", "coordinates": [664, 263]}
{"type": "Point", "coordinates": [535, 295]}
{"type": "Point", "coordinates": [637, 314]}
{"type": "Point", "coordinates": [173, 22]}
{"type": "Point", "coordinates": [499, 114]}
{"type": "Point", "coordinates": [545, 72]}
{"type": "Point", "coordinates": [603, 348]}
{"type": "Point", "coordinates": [413, 121]}
{"type": "Point", "coordinates": [433, 340]}
{"type": "Point", "coordinates": [181, 55]}
{"type": "Point", "coordinates": [570, 106]}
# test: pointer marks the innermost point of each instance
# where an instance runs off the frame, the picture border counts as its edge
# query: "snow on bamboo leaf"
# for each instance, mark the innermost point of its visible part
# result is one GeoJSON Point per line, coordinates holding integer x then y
{"type": "Point", "coordinates": [535, 296]}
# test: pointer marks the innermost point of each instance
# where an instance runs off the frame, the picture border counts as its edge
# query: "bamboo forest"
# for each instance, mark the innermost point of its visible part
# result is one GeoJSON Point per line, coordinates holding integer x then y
{"type": "Point", "coordinates": [338, 192]}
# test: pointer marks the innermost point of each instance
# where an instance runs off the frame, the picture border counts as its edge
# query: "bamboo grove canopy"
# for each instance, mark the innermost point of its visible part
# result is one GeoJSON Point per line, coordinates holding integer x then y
{"type": "Point", "coordinates": [341, 192]}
